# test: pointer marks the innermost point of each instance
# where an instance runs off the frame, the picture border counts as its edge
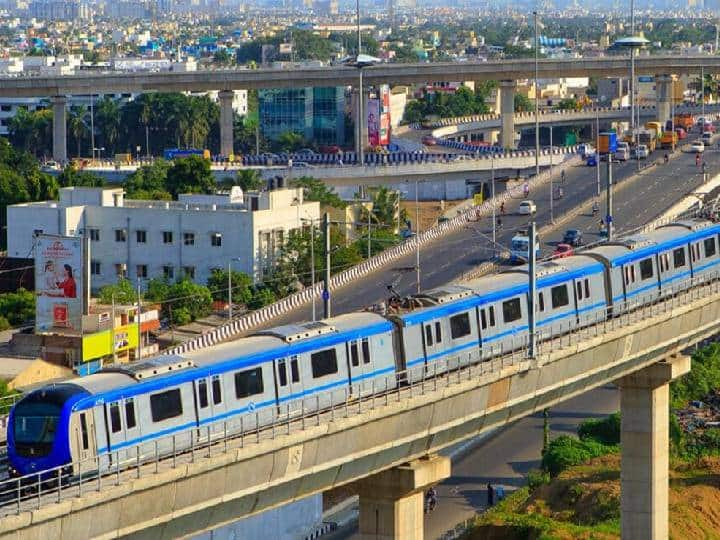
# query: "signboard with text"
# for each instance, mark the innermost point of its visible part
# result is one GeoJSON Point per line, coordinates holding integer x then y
{"type": "Point", "coordinates": [58, 283]}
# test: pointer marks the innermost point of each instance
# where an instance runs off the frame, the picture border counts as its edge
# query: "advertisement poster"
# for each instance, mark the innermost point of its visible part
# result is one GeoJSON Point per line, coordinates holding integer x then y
{"type": "Point", "coordinates": [384, 136]}
{"type": "Point", "coordinates": [58, 283]}
{"type": "Point", "coordinates": [373, 122]}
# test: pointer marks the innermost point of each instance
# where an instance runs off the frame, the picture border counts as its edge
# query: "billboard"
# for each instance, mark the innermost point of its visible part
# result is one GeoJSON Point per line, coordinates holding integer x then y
{"type": "Point", "coordinates": [373, 122]}
{"type": "Point", "coordinates": [58, 283]}
{"type": "Point", "coordinates": [384, 137]}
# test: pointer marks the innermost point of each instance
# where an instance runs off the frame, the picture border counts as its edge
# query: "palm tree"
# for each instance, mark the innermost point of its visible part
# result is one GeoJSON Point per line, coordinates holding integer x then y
{"type": "Point", "coordinates": [76, 124]}
{"type": "Point", "coordinates": [108, 117]}
{"type": "Point", "coordinates": [148, 114]}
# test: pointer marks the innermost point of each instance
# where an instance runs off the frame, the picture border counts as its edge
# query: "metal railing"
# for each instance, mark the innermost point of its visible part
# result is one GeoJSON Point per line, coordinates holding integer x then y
{"type": "Point", "coordinates": [32, 491]}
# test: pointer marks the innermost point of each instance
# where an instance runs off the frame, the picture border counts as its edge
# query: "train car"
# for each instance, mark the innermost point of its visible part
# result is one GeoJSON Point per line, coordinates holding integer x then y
{"type": "Point", "coordinates": [275, 373]}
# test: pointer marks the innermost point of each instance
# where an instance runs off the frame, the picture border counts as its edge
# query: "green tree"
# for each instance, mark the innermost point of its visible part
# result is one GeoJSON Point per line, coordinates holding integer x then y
{"type": "Point", "coordinates": [71, 176]}
{"type": "Point", "coordinates": [122, 293]}
{"type": "Point", "coordinates": [17, 307]}
{"type": "Point", "coordinates": [107, 117]}
{"type": "Point", "coordinates": [191, 174]}
{"type": "Point", "coordinates": [187, 299]}
{"type": "Point", "coordinates": [223, 57]}
{"type": "Point", "coordinates": [76, 124]}
{"type": "Point", "coordinates": [249, 180]}
{"type": "Point", "coordinates": [316, 190]}
{"type": "Point", "coordinates": [523, 103]}
{"type": "Point", "coordinates": [566, 451]}
{"type": "Point", "coordinates": [604, 430]}
{"type": "Point", "coordinates": [262, 296]}
{"type": "Point", "coordinates": [149, 182]}
{"type": "Point", "coordinates": [242, 291]}
{"type": "Point", "coordinates": [289, 141]}
{"type": "Point", "coordinates": [569, 104]}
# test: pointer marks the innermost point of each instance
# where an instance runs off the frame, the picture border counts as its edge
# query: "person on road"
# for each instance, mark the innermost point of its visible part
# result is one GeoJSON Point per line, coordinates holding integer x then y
{"type": "Point", "coordinates": [562, 177]}
{"type": "Point", "coordinates": [526, 189]}
{"type": "Point", "coordinates": [666, 157]}
{"type": "Point", "coordinates": [502, 208]}
{"type": "Point", "coordinates": [697, 160]}
{"type": "Point", "coordinates": [490, 495]}
{"type": "Point", "coordinates": [601, 225]}
{"type": "Point", "coordinates": [704, 167]}
{"type": "Point", "coordinates": [431, 499]}
{"type": "Point", "coordinates": [595, 208]}
{"type": "Point", "coordinates": [499, 224]}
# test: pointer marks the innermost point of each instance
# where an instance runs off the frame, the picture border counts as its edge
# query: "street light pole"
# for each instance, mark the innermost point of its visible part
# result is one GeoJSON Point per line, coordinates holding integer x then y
{"type": "Point", "coordinates": [532, 288]}
{"type": "Point", "coordinates": [609, 217]}
{"type": "Point", "coordinates": [702, 92]}
{"type": "Point", "coordinates": [597, 146]}
{"type": "Point", "coordinates": [537, 101]}
{"type": "Point", "coordinates": [326, 284]}
{"type": "Point", "coordinates": [312, 266]}
{"type": "Point", "coordinates": [417, 238]}
{"type": "Point", "coordinates": [92, 124]}
{"type": "Point", "coordinates": [492, 180]}
{"type": "Point", "coordinates": [552, 216]}
{"type": "Point", "coordinates": [230, 313]}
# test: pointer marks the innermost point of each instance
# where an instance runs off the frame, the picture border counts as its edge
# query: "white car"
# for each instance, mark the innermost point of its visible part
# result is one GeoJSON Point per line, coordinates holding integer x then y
{"type": "Point", "coordinates": [527, 208]}
{"type": "Point", "coordinates": [697, 147]}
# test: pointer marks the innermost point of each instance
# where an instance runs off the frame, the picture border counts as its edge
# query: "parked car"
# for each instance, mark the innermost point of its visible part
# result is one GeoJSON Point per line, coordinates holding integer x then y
{"type": "Point", "coordinates": [586, 150]}
{"type": "Point", "coordinates": [621, 154]}
{"type": "Point", "coordinates": [706, 137]}
{"type": "Point", "coordinates": [641, 151]}
{"type": "Point", "coordinates": [562, 250]}
{"type": "Point", "coordinates": [592, 160]}
{"type": "Point", "coordinates": [708, 126]}
{"type": "Point", "coordinates": [697, 147]}
{"type": "Point", "coordinates": [429, 140]}
{"type": "Point", "coordinates": [527, 208]}
{"type": "Point", "coordinates": [573, 237]}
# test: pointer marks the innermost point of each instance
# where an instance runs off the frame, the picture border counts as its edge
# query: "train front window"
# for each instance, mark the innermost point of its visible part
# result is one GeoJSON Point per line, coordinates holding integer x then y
{"type": "Point", "coordinates": [34, 428]}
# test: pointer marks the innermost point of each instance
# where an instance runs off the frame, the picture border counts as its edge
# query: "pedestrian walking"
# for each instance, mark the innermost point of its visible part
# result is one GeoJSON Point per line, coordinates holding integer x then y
{"type": "Point", "coordinates": [490, 495]}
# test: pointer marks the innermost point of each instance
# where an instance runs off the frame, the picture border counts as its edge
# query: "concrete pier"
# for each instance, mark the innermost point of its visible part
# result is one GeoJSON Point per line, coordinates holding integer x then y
{"type": "Point", "coordinates": [226, 122]}
{"type": "Point", "coordinates": [507, 114]}
{"type": "Point", "coordinates": [59, 129]}
{"type": "Point", "coordinates": [644, 440]}
{"type": "Point", "coordinates": [664, 93]}
{"type": "Point", "coordinates": [392, 502]}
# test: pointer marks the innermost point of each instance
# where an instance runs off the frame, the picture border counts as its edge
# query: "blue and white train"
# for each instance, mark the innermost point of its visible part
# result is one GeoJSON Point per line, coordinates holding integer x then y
{"type": "Point", "coordinates": [285, 370]}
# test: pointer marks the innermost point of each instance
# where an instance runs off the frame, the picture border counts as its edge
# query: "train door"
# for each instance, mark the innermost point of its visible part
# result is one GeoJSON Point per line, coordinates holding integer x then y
{"type": "Point", "coordinates": [83, 444]}
{"type": "Point", "coordinates": [288, 383]}
{"type": "Point", "coordinates": [433, 343]}
{"type": "Point", "coordinates": [205, 403]}
{"type": "Point", "coordinates": [584, 300]}
{"type": "Point", "coordinates": [360, 365]}
{"type": "Point", "coordinates": [116, 429]}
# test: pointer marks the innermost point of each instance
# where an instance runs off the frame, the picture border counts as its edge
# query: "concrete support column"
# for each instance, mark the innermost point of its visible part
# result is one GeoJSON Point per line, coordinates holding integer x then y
{"type": "Point", "coordinates": [663, 96]}
{"type": "Point", "coordinates": [391, 502]}
{"type": "Point", "coordinates": [507, 113]}
{"type": "Point", "coordinates": [226, 122]}
{"type": "Point", "coordinates": [644, 440]}
{"type": "Point", "coordinates": [59, 129]}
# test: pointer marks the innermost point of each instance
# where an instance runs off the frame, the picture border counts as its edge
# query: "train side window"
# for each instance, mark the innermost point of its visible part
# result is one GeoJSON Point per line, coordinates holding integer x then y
{"type": "Point", "coordinates": [438, 334]}
{"type": "Point", "coordinates": [541, 301]}
{"type": "Point", "coordinates": [428, 335]}
{"type": "Point", "coordinates": [354, 357]}
{"type": "Point", "coordinates": [646, 268]}
{"type": "Point", "coordinates": [294, 370]}
{"type": "Point", "coordinates": [483, 320]}
{"type": "Point", "coordinates": [130, 421]}
{"type": "Point", "coordinates": [511, 310]}
{"type": "Point", "coordinates": [579, 288]}
{"type": "Point", "coordinates": [248, 383]}
{"type": "Point", "coordinates": [115, 424]}
{"type": "Point", "coordinates": [84, 431]}
{"type": "Point", "coordinates": [366, 350]}
{"type": "Point", "coordinates": [282, 372]}
{"type": "Point", "coordinates": [587, 288]}
{"type": "Point", "coordinates": [202, 393]}
{"type": "Point", "coordinates": [165, 405]}
{"type": "Point", "coordinates": [491, 312]}
{"type": "Point", "coordinates": [632, 273]}
{"type": "Point", "coordinates": [559, 296]}
{"type": "Point", "coordinates": [627, 275]}
{"type": "Point", "coordinates": [710, 249]}
{"type": "Point", "coordinates": [323, 363]}
{"type": "Point", "coordinates": [459, 326]}
{"type": "Point", "coordinates": [216, 390]}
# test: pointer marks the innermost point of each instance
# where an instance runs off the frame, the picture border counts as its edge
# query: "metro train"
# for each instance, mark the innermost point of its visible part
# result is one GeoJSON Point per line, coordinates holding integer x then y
{"type": "Point", "coordinates": [275, 373]}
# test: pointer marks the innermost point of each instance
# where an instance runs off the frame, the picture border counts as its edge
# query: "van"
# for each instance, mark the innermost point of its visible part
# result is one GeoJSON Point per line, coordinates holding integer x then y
{"type": "Point", "coordinates": [621, 154]}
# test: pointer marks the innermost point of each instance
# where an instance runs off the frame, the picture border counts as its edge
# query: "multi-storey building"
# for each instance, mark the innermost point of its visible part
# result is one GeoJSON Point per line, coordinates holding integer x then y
{"type": "Point", "coordinates": [145, 239]}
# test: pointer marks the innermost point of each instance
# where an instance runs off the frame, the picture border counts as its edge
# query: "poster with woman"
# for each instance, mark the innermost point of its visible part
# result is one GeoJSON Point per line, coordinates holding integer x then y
{"type": "Point", "coordinates": [58, 283]}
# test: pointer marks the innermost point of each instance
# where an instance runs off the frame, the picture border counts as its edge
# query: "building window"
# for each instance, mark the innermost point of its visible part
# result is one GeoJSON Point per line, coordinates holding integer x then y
{"type": "Point", "coordinates": [248, 383]}
{"type": "Point", "coordinates": [166, 405]}
{"type": "Point", "coordinates": [142, 270]}
{"type": "Point", "coordinates": [324, 363]}
{"type": "Point", "coordinates": [94, 234]}
{"type": "Point", "coordinates": [189, 272]}
{"type": "Point", "coordinates": [120, 235]}
{"type": "Point", "coordinates": [121, 270]}
{"type": "Point", "coordinates": [6, 108]}
{"type": "Point", "coordinates": [216, 239]}
{"type": "Point", "coordinates": [141, 237]}
{"type": "Point", "coordinates": [167, 237]}
{"type": "Point", "coordinates": [169, 272]}
{"type": "Point", "coordinates": [95, 268]}
{"type": "Point", "coordinates": [679, 257]}
{"type": "Point", "coordinates": [189, 239]}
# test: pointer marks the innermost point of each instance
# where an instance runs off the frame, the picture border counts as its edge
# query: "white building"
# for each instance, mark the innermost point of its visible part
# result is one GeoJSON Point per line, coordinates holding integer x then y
{"type": "Point", "coordinates": [146, 239]}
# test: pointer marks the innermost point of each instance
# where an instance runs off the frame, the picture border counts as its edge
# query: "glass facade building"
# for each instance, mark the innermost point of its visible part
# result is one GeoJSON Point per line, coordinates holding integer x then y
{"type": "Point", "coordinates": [318, 114]}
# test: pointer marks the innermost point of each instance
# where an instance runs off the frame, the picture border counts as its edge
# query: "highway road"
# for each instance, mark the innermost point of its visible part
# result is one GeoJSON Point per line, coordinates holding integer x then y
{"type": "Point", "coordinates": [460, 252]}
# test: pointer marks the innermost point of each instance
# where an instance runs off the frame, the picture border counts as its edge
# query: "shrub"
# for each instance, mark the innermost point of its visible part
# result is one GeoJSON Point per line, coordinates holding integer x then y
{"type": "Point", "coordinates": [566, 451]}
{"type": "Point", "coordinates": [262, 296]}
{"type": "Point", "coordinates": [604, 431]}
{"type": "Point", "coordinates": [537, 478]}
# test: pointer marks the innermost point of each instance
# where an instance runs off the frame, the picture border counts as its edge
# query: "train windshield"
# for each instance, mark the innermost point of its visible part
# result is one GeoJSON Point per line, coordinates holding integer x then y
{"type": "Point", "coordinates": [36, 418]}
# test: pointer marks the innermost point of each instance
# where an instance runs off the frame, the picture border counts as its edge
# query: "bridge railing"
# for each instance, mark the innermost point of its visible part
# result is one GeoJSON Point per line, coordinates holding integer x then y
{"type": "Point", "coordinates": [124, 465]}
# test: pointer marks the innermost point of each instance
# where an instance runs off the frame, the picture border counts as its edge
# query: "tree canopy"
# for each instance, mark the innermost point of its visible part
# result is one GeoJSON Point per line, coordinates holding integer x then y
{"type": "Point", "coordinates": [462, 102]}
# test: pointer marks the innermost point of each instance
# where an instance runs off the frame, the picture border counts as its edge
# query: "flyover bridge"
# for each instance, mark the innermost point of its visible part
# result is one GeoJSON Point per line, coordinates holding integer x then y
{"type": "Point", "coordinates": [386, 441]}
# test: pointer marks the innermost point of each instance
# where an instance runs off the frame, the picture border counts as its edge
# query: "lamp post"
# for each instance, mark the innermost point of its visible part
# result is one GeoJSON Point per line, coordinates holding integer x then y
{"type": "Point", "coordinates": [552, 216]}
{"type": "Point", "coordinates": [537, 101]}
{"type": "Point", "coordinates": [492, 180]}
{"type": "Point", "coordinates": [597, 146]}
{"type": "Point", "coordinates": [417, 237]}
